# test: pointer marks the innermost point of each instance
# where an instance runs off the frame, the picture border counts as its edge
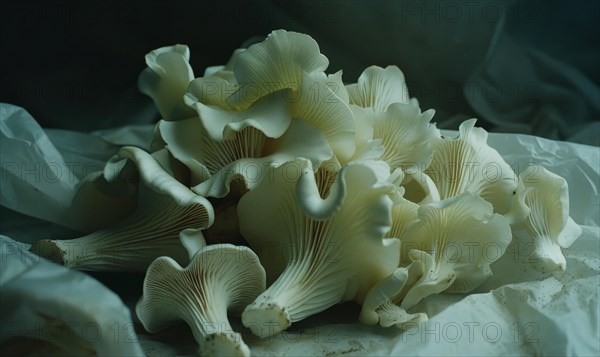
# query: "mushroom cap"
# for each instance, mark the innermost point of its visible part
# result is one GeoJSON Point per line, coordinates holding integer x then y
{"type": "Point", "coordinates": [468, 164]}
{"type": "Point", "coordinates": [219, 278]}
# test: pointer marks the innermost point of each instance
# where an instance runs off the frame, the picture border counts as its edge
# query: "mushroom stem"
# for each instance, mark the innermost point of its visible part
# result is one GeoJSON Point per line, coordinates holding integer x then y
{"type": "Point", "coordinates": [265, 319]}
{"type": "Point", "coordinates": [547, 256]}
{"type": "Point", "coordinates": [224, 344]}
{"type": "Point", "coordinates": [211, 328]}
{"type": "Point", "coordinates": [305, 288]}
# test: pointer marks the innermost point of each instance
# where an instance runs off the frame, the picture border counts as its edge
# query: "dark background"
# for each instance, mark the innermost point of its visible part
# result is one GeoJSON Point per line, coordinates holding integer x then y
{"type": "Point", "coordinates": [74, 64]}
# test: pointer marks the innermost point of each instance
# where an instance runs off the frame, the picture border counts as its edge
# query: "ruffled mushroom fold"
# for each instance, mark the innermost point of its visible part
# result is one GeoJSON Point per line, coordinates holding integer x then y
{"type": "Point", "coordinates": [165, 209]}
{"type": "Point", "coordinates": [548, 226]}
{"type": "Point", "coordinates": [166, 80]}
{"type": "Point", "coordinates": [219, 279]}
{"type": "Point", "coordinates": [468, 164]}
{"type": "Point", "coordinates": [317, 263]}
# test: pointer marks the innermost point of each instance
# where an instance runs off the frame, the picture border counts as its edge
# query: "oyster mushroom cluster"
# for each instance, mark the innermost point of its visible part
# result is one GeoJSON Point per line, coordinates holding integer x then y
{"type": "Point", "coordinates": [275, 190]}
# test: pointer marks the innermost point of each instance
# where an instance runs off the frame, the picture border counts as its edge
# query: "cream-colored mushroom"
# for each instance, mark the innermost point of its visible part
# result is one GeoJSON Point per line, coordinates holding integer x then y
{"type": "Point", "coordinates": [277, 63]}
{"type": "Point", "coordinates": [456, 239]}
{"type": "Point", "coordinates": [548, 225]}
{"type": "Point", "coordinates": [382, 304]}
{"type": "Point", "coordinates": [166, 80]}
{"type": "Point", "coordinates": [220, 278]}
{"type": "Point", "coordinates": [378, 87]}
{"type": "Point", "coordinates": [468, 164]}
{"type": "Point", "coordinates": [165, 209]}
{"type": "Point", "coordinates": [247, 157]}
{"type": "Point", "coordinates": [320, 252]}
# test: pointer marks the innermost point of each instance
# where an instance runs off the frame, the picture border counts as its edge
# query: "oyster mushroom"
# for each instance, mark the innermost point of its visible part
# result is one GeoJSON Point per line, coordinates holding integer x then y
{"type": "Point", "coordinates": [378, 87]}
{"type": "Point", "coordinates": [468, 164]}
{"type": "Point", "coordinates": [166, 209]}
{"type": "Point", "coordinates": [548, 225]}
{"type": "Point", "coordinates": [277, 63]}
{"type": "Point", "coordinates": [320, 254]}
{"type": "Point", "coordinates": [456, 239]}
{"type": "Point", "coordinates": [220, 278]}
{"type": "Point", "coordinates": [382, 304]}
{"type": "Point", "coordinates": [166, 80]}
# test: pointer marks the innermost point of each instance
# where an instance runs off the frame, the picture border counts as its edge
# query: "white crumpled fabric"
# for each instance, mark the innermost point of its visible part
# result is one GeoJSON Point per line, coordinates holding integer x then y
{"type": "Point", "coordinates": [67, 309]}
{"type": "Point", "coordinates": [41, 168]}
{"type": "Point", "coordinates": [517, 311]}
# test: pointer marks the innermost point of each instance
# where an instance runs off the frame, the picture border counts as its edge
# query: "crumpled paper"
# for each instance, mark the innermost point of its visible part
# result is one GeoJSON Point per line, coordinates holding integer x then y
{"type": "Point", "coordinates": [41, 168]}
{"type": "Point", "coordinates": [517, 311]}
{"type": "Point", "coordinates": [67, 309]}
